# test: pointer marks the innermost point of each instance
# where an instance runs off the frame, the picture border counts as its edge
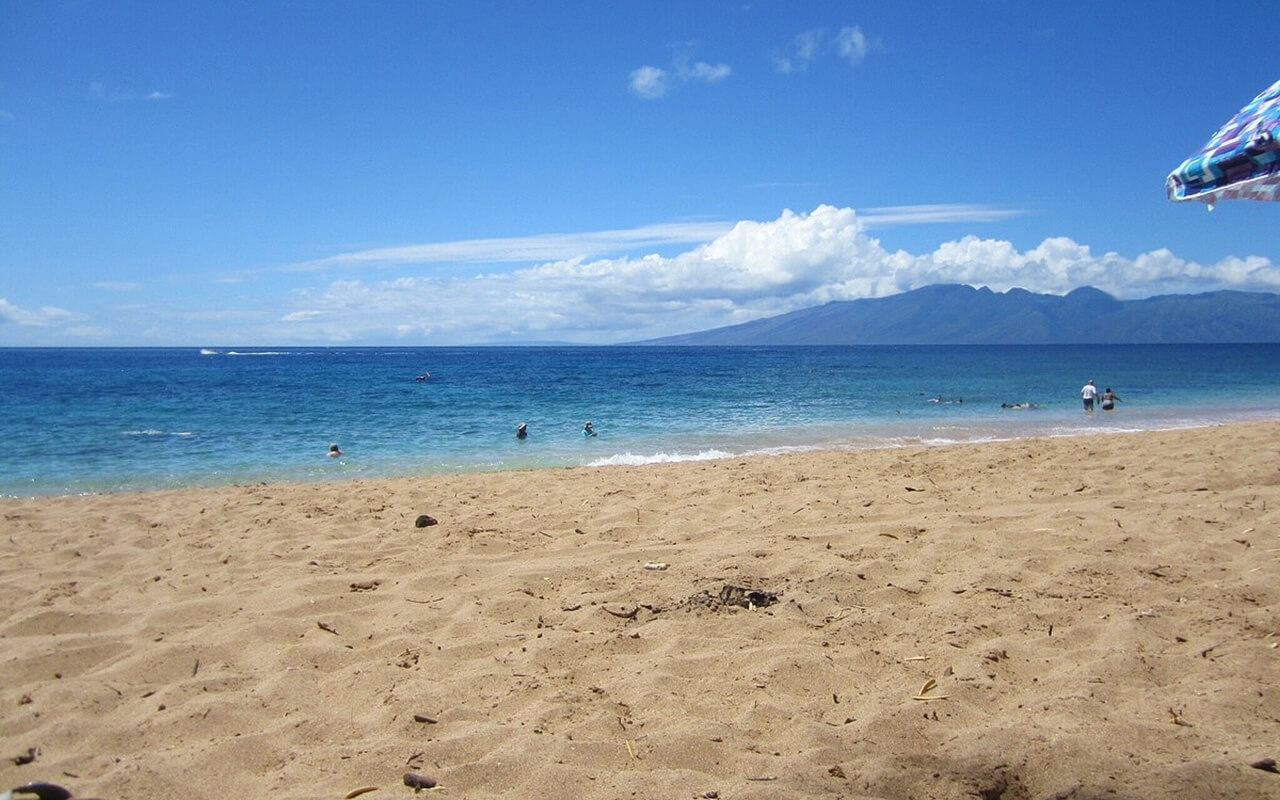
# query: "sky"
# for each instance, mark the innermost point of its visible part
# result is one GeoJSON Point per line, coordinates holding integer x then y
{"type": "Point", "coordinates": [237, 173]}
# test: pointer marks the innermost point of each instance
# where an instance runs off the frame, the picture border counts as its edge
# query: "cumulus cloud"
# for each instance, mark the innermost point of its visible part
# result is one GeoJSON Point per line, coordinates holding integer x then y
{"type": "Point", "coordinates": [652, 83]}
{"type": "Point", "coordinates": [649, 82]}
{"type": "Point", "coordinates": [751, 270]}
{"type": "Point", "coordinates": [614, 286]}
{"type": "Point", "coordinates": [565, 246]}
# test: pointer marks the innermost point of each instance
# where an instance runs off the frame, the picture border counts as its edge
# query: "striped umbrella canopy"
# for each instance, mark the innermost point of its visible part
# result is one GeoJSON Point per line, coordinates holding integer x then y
{"type": "Point", "coordinates": [1241, 161]}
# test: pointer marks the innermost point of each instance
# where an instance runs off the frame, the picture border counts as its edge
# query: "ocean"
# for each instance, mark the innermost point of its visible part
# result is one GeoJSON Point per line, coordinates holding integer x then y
{"type": "Point", "coordinates": [103, 420]}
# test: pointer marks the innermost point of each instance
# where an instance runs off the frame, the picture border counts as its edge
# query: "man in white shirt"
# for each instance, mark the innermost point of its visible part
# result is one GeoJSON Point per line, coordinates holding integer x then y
{"type": "Point", "coordinates": [1087, 394]}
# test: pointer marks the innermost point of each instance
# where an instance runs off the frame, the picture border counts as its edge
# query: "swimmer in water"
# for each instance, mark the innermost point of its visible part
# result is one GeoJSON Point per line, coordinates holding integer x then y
{"type": "Point", "coordinates": [522, 431]}
{"type": "Point", "coordinates": [334, 452]}
{"type": "Point", "coordinates": [588, 430]}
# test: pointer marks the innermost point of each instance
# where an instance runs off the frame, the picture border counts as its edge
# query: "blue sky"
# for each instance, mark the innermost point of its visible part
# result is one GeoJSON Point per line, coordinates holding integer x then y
{"type": "Point", "coordinates": [422, 173]}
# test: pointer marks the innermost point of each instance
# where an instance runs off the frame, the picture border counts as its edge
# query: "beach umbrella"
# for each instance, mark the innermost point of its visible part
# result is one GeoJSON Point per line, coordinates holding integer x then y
{"type": "Point", "coordinates": [1241, 161]}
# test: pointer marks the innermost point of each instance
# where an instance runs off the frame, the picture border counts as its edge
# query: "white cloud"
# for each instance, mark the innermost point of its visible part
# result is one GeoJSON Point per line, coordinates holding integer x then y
{"type": "Point", "coordinates": [529, 248]}
{"type": "Point", "coordinates": [702, 71]}
{"type": "Point", "coordinates": [652, 83]}
{"type": "Point", "coordinates": [852, 45]}
{"type": "Point", "coordinates": [750, 270]}
{"type": "Point", "coordinates": [302, 316]}
{"type": "Point", "coordinates": [1058, 265]}
{"type": "Point", "coordinates": [849, 43]}
{"type": "Point", "coordinates": [613, 286]}
{"type": "Point", "coordinates": [42, 317]}
{"type": "Point", "coordinates": [801, 52]}
{"type": "Point", "coordinates": [649, 82]}
{"type": "Point", "coordinates": [565, 246]}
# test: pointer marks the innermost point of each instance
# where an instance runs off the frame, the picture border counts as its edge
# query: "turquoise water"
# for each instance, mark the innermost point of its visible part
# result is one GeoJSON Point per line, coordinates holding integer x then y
{"type": "Point", "coordinates": [93, 420]}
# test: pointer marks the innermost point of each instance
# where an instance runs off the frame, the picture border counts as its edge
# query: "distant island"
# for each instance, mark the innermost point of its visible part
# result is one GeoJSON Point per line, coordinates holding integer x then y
{"type": "Point", "coordinates": [960, 314]}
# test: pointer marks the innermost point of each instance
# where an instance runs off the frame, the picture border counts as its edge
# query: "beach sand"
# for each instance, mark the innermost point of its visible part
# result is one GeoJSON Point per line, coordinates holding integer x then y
{"type": "Point", "coordinates": [1088, 617]}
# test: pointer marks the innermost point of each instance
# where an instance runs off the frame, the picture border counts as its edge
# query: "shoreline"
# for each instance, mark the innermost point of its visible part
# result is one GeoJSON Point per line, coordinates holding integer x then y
{"type": "Point", "coordinates": [852, 445]}
{"type": "Point", "coordinates": [1092, 616]}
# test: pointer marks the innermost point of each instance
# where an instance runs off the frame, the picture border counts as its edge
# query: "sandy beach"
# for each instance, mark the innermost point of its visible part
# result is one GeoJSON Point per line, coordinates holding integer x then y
{"type": "Point", "coordinates": [1089, 617]}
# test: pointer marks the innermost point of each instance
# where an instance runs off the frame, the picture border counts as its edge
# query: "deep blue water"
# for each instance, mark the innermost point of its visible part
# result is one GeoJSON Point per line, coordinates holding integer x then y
{"type": "Point", "coordinates": [92, 420]}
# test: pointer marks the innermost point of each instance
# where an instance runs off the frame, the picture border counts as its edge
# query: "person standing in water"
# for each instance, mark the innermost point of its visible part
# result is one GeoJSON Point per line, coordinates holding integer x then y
{"type": "Point", "coordinates": [522, 431]}
{"type": "Point", "coordinates": [588, 430]}
{"type": "Point", "coordinates": [1088, 394]}
{"type": "Point", "coordinates": [1109, 399]}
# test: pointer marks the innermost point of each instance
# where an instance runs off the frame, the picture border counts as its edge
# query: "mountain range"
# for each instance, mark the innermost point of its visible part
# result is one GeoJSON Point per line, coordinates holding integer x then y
{"type": "Point", "coordinates": [960, 314]}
